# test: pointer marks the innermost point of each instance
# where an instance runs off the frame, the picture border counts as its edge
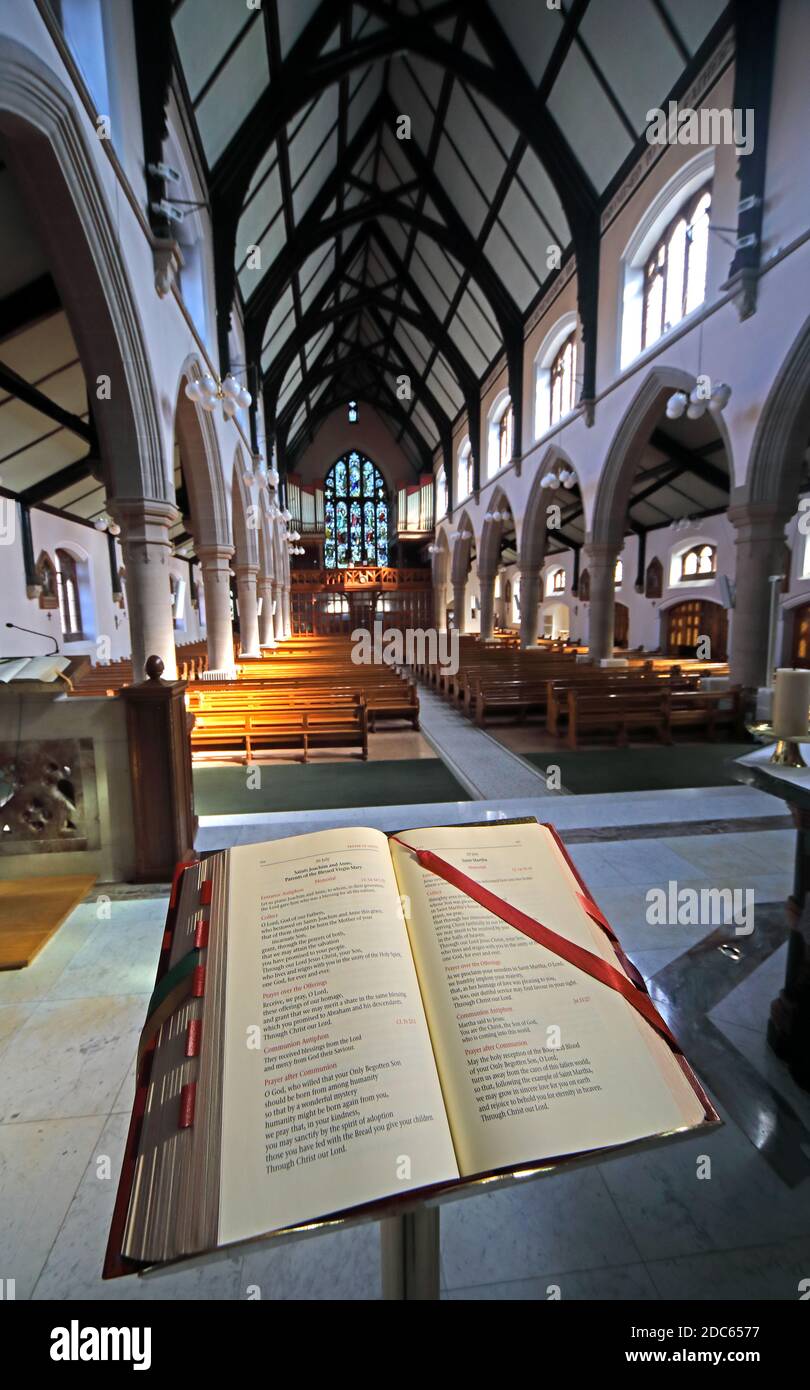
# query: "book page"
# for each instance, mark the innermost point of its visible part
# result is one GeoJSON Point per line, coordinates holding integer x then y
{"type": "Point", "coordinates": [537, 1059]}
{"type": "Point", "coordinates": [331, 1096]}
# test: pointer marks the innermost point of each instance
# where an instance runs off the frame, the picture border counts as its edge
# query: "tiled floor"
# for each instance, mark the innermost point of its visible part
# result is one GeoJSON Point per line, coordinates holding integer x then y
{"type": "Point", "coordinates": [642, 1227]}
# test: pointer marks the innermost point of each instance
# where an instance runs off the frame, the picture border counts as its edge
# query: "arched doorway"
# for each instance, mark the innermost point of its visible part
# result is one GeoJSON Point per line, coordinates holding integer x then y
{"type": "Point", "coordinates": [621, 625]}
{"type": "Point", "coordinates": [687, 622]}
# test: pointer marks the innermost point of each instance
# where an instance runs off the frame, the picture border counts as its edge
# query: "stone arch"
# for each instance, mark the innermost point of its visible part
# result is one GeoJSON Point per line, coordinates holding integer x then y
{"type": "Point", "coordinates": [629, 442]}
{"type": "Point", "coordinates": [244, 513]}
{"type": "Point", "coordinates": [196, 435]}
{"type": "Point", "coordinates": [489, 549]}
{"type": "Point", "coordinates": [780, 440]}
{"type": "Point", "coordinates": [534, 531]}
{"type": "Point", "coordinates": [461, 558]}
{"type": "Point", "coordinates": [50, 156]}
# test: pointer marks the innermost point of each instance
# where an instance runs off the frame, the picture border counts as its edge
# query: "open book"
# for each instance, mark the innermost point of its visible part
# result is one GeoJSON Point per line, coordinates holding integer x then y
{"type": "Point", "coordinates": [337, 1025]}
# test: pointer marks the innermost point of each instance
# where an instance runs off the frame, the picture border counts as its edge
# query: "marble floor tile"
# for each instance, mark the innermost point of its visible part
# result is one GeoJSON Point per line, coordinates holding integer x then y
{"type": "Point", "coordinates": [651, 862]}
{"type": "Point", "coordinates": [627, 1283]}
{"type": "Point", "coordinates": [73, 1267]}
{"type": "Point", "coordinates": [340, 1265]}
{"type": "Point", "coordinates": [565, 1221]}
{"type": "Point", "coordinates": [593, 864]}
{"type": "Point", "coordinates": [119, 957]}
{"type": "Point", "coordinates": [672, 1212]}
{"type": "Point", "coordinates": [754, 1274]}
{"type": "Point", "coordinates": [766, 852]}
{"type": "Point", "coordinates": [36, 980]}
{"type": "Point", "coordinates": [41, 1165]}
{"type": "Point", "coordinates": [12, 1016]}
{"type": "Point", "coordinates": [752, 1044]}
{"type": "Point", "coordinates": [69, 1058]}
{"type": "Point", "coordinates": [749, 1003]}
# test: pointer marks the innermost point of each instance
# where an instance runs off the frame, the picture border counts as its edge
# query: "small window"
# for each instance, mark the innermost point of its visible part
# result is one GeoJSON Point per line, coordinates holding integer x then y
{"type": "Point", "coordinates": [70, 610]}
{"type": "Point", "coordinates": [618, 574]}
{"type": "Point", "coordinates": [441, 494]}
{"type": "Point", "coordinates": [675, 272]}
{"type": "Point", "coordinates": [505, 430]}
{"type": "Point", "coordinates": [699, 563]}
{"type": "Point", "coordinates": [555, 584]}
{"type": "Point", "coordinates": [47, 577]}
{"type": "Point", "coordinates": [562, 384]}
{"type": "Point", "coordinates": [465, 471]}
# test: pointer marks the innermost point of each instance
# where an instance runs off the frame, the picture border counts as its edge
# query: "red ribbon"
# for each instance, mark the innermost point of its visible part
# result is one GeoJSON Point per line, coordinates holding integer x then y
{"type": "Point", "coordinates": [585, 960]}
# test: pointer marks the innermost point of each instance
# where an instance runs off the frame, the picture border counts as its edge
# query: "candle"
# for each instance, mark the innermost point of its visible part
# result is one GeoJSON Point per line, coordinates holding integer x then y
{"type": "Point", "coordinates": [791, 701]}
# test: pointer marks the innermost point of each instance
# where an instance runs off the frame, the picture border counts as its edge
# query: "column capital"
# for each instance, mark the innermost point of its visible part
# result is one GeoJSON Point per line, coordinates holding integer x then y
{"type": "Point", "coordinates": [144, 518]}
{"type": "Point", "coordinates": [214, 556]}
{"type": "Point", "coordinates": [247, 572]}
{"type": "Point", "coordinates": [603, 552]}
{"type": "Point", "coordinates": [758, 520]}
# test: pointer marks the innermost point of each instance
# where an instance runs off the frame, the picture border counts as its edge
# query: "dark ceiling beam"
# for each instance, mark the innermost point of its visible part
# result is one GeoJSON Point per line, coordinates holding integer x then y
{"type": "Point", "coordinates": [331, 400]}
{"type": "Point", "coordinates": [690, 462]}
{"type": "Point", "coordinates": [154, 55]}
{"type": "Point", "coordinates": [422, 316]}
{"type": "Point", "coordinates": [307, 72]}
{"type": "Point", "coordinates": [755, 46]}
{"type": "Point", "coordinates": [23, 391]}
{"type": "Point", "coordinates": [28, 305]}
{"type": "Point", "coordinates": [383, 204]}
{"type": "Point", "coordinates": [262, 299]}
{"type": "Point", "coordinates": [88, 467]}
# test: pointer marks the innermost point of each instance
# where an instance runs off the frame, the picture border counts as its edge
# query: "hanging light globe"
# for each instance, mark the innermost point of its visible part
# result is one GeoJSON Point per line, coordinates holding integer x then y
{"type": "Point", "coordinates": [676, 405]}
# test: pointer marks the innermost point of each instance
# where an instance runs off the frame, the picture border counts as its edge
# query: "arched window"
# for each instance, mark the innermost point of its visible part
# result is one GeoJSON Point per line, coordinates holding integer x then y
{"type": "Point", "coordinates": [355, 514]}
{"type": "Point", "coordinates": [556, 584]}
{"type": "Point", "coordinates": [465, 471]}
{"type": "Point", "coordinates": [505, 429]}
{"type": "Point", "coordinates": [70, 610]}
{"type": "Point", "coordinates": [675, 271]}
{"type": "Point", "coordinates": [562, 382]}
{"type": "Point", "coordinates": [699, 563]}
{"type": "Point", "coordinates": [441, 493]}
{"type": "Point", "coordinates": [46, 574]}
{"type": "Point", "coordinates": [618, 574]}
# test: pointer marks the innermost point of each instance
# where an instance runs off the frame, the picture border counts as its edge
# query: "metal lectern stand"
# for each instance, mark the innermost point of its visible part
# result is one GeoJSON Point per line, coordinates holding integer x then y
{"type": "Point", "coordinates": [409, 1247]}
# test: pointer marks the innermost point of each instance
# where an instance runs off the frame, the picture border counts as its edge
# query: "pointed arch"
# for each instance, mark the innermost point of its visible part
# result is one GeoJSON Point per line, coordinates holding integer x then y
{"type": "Point", "coordinates": [624, 456]}
{"type": "Point", "coordinates": [783, 429]}
{"type": "Point", "coordinates": [462, 553]}
{"type": "Point", "coordinates": [244, 514]}
{"type": "Point", "coordinates": [491, 533]}
{"type": "Point", "coordinates": [54, 167]}
{"type": "Point", "coordinates": [534, 531]}
{"type": "Point", "coordinates": [196, 437]}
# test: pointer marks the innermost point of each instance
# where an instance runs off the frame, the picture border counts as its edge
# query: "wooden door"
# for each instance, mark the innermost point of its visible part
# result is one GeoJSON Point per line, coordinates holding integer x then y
{"type": "Point", "coordinates": [687, 622]}
{"type": "Point", "coordinates": [801, 636]}
{"type": "Point", "coordinates": [621, 625]}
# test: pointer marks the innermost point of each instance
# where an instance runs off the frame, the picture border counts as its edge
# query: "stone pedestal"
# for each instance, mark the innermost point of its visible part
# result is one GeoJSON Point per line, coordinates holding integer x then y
{"type": "Point", "coordinates": [246, 577]}
{"type": "Point", "coordinates": [216, 572]}
{"type": "Point", "coordinates": [158, 732]}
{"type": "Point", "coordinates": [147, 551]}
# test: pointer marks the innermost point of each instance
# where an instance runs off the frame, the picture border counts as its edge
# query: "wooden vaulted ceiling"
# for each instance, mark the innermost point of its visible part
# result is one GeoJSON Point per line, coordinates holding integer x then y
{"type": "Point", "coordinates": [381, 256]}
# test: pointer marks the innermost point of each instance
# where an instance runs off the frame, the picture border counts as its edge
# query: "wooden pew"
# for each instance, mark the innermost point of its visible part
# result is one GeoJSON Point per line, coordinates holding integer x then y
{"type": "Point", "coordinates": [620, 712]}
{"type": "Point", "coordinates": [337, 723]}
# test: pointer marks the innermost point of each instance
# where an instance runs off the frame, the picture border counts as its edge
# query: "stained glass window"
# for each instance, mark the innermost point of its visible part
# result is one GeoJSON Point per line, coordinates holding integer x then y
{"type": "Point", "coordinates": [355, 514]}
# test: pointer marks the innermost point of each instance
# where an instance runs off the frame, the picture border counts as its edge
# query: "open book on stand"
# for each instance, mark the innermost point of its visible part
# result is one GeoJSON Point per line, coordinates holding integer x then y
{"type": "Point", "coordinates": [344, 1018]}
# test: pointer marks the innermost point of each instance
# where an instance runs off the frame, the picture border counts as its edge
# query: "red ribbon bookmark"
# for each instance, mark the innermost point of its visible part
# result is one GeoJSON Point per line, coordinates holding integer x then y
{"type": "Point", "coordinates": [578, 956]}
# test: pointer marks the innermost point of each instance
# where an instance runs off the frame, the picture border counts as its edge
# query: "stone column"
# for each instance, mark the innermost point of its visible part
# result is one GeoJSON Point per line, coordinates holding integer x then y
{"type": "Point", "coordinates": [246, 576]}
{"type": "Point", "coordinates": [267, 637]}
{"type": "Point", "coordinates": [215, 561]}
{"type": "Point", "coordinates": [285, 610]}
{"type": "Point", "coordinates": [459, 605]}
{"type": "Point", "coordinates": [529, 601]}
{"type": "Point", "coordinates": [147, 551]}
{"type": "Point", "coordinates": [278, 617]}
{"type": "Point", "coordinates": [601, 568]}
{"type": "Point", "coordinates": [486, 586]}
{"type": "Point", "coordinates": [440, 607]}
{"type": "Point", "coordinates": [760, 539]}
